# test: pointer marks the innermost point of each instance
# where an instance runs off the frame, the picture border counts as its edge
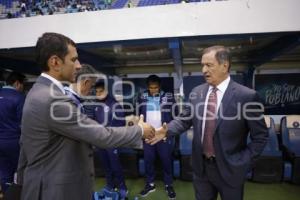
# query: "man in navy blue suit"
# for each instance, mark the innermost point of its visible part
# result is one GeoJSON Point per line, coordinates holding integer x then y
{"type": "Point", "coordinates": [223, 113]}
{"type": "Point", "coordinates": [11, 105]}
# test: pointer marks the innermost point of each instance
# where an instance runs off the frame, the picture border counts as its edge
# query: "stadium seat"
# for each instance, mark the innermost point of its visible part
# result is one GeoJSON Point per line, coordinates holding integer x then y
{"type": "Point", "coordinates": [119, 4]}
{"type": "Point", "coordinates": [290, 135]}
{"type": "Point", "coordinates": [269, 166]}
{"type": "Point", "coordinates": [185, 151]}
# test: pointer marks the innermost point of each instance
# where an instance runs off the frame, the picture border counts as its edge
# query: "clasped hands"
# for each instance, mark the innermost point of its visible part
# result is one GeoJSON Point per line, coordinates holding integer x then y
{"type": "Point", "coordinates": [151, 135]}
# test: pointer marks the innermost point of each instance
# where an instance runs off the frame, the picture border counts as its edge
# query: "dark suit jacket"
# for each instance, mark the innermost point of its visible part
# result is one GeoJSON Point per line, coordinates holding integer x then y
{"type": "Point", "coordinates": [233, 154]}
{"type": "Point", "coordinates": [11, 105]}
{"type": "Point", "coordinates": [56, 160]}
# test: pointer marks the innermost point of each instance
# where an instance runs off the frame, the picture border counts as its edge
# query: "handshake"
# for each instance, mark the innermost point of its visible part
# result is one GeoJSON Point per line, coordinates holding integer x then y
{"type": "Point", "coordinates": [151, 135]}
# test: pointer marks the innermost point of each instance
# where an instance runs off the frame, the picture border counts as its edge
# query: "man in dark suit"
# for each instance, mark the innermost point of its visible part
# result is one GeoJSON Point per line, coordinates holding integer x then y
{"type": "Point", "coordinates": [11, 105]}
{"type": "Point", "coordinates": [222, 113]}
{"type": "Point", "coordinates": [56, 159]}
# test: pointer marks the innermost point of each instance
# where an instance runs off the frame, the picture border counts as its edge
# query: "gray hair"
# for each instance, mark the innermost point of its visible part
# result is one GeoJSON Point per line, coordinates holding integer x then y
{"type": "Point", "coordinates": [86, 71]}
{"type": "Point", "coordinates": [222, 54]}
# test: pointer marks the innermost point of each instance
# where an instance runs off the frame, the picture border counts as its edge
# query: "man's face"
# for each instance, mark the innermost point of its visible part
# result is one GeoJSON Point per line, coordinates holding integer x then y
{"type": "Point", "coordinates": [70, 65]}
{"type": "Point", "coordinates": [101, 93]}
{"type": "Point", "coordinates": [213, 72]}
{"type": "Point", "coordinates": [153, 88]}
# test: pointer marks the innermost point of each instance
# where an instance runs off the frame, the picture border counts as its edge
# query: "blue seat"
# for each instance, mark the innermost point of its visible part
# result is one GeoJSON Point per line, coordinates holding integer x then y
{"type": "Point", "coordinates": [185, 151]}
{"type": "Point", "coordinates": [290, 136]}
{"type": "Point", "coordinates": [119, 4]}
{"type": "Point", "coordinates": [269, 166]}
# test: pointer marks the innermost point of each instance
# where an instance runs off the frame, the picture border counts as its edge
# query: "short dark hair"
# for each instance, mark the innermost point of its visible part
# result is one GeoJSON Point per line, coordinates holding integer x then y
{"type": "Point", "coordinates": [50, 44]}
{"type": "Point", "coordinates": [222, 54]}
{"type": "Point", "coordinates": [153, 79]}
{"type": "Point", "coordinates": [15, 76]}
{"type": "Point", "coordinates": [100, 84]}
{"type": "Point", "coordinates": [85, 69]}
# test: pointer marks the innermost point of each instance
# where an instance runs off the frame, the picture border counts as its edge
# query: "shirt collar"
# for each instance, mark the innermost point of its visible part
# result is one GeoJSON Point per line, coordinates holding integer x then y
{"type": "Point", "coordinates": [9, 87]}
{"type": "Point", "coordinates": [222, 86]}
{"type": "Point", "coordinates": [70, 89]}
{"type": "Point", "coordinates": [55, 81]}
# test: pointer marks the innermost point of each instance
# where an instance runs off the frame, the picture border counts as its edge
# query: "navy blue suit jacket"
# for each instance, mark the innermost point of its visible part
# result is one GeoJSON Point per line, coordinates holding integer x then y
{"type": "Point", "coordinates": [233, 154]}
{"type": "Point", "coordinates": [11, 105]}
{"type": "Point", "coordinates": [109, 113]}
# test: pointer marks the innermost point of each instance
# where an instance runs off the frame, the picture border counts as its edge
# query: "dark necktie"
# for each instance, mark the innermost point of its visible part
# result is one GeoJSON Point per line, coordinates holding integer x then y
{"type": "Point", "coordinates": [210, 124]}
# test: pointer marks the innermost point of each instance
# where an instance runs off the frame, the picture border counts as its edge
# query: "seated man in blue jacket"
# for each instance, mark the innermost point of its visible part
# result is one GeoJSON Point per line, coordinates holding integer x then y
{"type": "Point", "coordinates": [11, 105]}
{"type": "Point", "coordinates": [156, 106]}
{"type": "Point", "coordinates": [109, 112]}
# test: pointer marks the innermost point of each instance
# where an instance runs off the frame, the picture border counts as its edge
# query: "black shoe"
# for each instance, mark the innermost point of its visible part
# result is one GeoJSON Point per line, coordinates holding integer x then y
{"type": "Point", "coordinates": [148, 189]}
{"type": "Point", "coordinates": [170, 191]}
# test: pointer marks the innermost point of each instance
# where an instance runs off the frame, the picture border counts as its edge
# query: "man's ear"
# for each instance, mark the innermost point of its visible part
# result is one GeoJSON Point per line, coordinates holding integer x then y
{"type": "Point", "coordinates": [54, 63]}
{"type": "Point", "coordinates": [86, 81]}
{"type": "Point", "coordinates": [18, 85]}
{"type": "Point", "coordinates": [226, 66]}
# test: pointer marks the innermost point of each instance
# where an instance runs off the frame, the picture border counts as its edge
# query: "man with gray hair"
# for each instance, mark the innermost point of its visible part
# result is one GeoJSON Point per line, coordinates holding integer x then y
{"type": "Point", "coordinates": [84, 81]}
{"type": "Point", "coordinates": [225, 113]}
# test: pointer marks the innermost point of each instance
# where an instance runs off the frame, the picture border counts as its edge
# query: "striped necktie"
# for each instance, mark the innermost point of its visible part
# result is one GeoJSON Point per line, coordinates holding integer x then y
{"type": "Point", "coordinates": [210, 124]}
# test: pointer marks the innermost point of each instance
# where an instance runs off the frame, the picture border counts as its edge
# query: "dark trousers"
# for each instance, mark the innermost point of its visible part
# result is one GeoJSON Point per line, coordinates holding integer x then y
{"type": "Point", "coordinates": [164, 150]}
{"type": "Point", "coordinates": [211, 183]}
{"type": "Point", "coordinates": [9, 156]}
{"type": "Point", "coordinates": [113, 168]}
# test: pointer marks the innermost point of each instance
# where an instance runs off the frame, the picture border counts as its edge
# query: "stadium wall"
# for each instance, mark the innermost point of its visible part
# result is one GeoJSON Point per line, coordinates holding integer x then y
{"type": "Point", "coordinates": [176, 20]}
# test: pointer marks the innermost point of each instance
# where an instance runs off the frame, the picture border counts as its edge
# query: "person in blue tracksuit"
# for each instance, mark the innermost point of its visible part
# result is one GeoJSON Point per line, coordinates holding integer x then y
{"type": "Point", "coordinates": [156, 106]}
{"type": "Point", "coordinates": [11, 105]}
{"type": "Point", "coordinates": [108, 112]}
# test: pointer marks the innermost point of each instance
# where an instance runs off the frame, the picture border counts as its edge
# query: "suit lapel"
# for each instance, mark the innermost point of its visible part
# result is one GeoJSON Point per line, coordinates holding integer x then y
{"type": "Point", "coordinates": [202, 95]}
{"type": "Point", "coordinates": [43, 80]}
{"type": "Point", "coordinates": [227, 98]}
{"type": "Point", "coordinates": [49, 83]}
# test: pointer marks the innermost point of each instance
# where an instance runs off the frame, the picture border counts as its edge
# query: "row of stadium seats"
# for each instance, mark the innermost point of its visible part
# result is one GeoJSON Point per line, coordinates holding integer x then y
{"type": "Point", "coordinates": [15, 8]}
{"type": "Point", "coordinates": [6, 3]}
{"type": "Point", "coordinates": [280, 160]}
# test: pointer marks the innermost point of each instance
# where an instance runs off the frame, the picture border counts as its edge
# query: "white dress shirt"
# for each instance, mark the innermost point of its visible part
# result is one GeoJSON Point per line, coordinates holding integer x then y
{"type": "Point", "coordinates": [54, 81]}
